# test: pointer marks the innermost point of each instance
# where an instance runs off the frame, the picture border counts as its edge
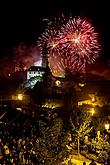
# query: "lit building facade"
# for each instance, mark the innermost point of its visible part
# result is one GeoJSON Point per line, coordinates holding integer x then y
{"type": "Point", "coordinates": [35, 71]}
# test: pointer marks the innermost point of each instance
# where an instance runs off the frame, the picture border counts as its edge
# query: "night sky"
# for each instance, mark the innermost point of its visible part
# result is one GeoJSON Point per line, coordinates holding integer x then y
{"type": "Point", "coordinates": [22, 22]}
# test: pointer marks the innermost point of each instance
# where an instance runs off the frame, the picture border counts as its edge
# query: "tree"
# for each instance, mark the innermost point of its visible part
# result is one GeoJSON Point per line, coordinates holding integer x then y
{"type": "Point", "coordinates": [80, 126]}
{"type": "Point", "coordinates": [51, 147]}
{"type": "Point", "coordinates": [102, 147]}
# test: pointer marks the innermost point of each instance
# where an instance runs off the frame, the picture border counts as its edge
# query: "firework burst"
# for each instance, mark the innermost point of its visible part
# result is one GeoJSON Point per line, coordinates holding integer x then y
{"type": "Point", "coordinates": [72, 45]}
{"type": "Point", "coordinates": [81, 40]}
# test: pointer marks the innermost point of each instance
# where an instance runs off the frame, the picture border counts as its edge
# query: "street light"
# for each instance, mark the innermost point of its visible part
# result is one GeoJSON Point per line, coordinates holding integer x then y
{"type": "Point", "coordinates": [98, 135]}
{"type": "Point", "coordinates": [20, 96]}
{"type": "Point", "coordinates": [107, 126]}
{"type": "Point", "coordinates": [92, 111]}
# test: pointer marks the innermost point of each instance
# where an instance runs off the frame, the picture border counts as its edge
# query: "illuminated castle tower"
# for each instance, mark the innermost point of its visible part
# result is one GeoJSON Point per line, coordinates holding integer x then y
{"type": "Point", "coordinates": [45, 64]}
{"type": "Point", "coordinates": [45, 56]}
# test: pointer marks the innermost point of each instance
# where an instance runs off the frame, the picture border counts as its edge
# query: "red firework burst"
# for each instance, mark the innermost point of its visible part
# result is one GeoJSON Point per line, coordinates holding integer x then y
{"type": "Point", "coordinates": [71, 46]}
{"type": "Point", "coordinates": [80, 39]}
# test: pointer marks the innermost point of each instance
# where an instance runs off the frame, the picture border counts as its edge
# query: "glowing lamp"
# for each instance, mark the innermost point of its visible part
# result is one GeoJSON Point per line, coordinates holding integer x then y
{"type": "Point", "coordinates": [92, 111]}
{"type": "Point", "coordinates": [81, 84]}
{"type": "Point", "coordinates": [93, 99]}
{"type": "Point", "coordinates": [20, 97]}
{"type": "Point", "coordinates": [58, 83]}
{"type": "Point", "coordinates": [107, 126]}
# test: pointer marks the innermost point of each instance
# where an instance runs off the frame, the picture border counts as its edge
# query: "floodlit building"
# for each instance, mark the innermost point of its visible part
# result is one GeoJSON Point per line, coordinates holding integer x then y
{"type": "Point", "coordinates": [93, 100]}
{"type": "Point", "coordinates": [35, 71]}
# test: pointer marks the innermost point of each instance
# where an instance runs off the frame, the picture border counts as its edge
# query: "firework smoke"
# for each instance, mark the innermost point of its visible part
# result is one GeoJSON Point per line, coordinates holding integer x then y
{"type": "Point", "coordinates": [23, 57]}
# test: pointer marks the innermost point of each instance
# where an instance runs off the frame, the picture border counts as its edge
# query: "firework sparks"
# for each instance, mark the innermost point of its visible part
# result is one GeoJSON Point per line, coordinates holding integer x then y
{"type": "Point", "coordinates": [72, 45]}
{"type": "Point", "coordinates": [81, 39]}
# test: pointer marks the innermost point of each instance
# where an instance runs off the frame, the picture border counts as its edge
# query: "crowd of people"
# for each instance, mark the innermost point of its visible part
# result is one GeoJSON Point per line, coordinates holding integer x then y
{"type": "Point", "coordinates": [18, 143]}
{"type": "Point", "coordinates": [19, 140]}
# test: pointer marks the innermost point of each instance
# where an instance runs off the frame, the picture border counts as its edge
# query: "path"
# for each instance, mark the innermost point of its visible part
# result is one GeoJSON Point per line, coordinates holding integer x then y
{"type": "Point", "coordinates": [79, 159]}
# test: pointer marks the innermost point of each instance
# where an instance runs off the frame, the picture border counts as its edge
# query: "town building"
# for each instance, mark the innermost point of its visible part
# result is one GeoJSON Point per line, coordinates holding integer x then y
{"type": "Point", "coordinates": [35, 71]}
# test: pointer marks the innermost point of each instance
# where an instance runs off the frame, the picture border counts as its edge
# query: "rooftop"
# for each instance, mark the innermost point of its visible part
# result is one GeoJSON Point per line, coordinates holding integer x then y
{"type": "Point", "coordinates": [36, 68]}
